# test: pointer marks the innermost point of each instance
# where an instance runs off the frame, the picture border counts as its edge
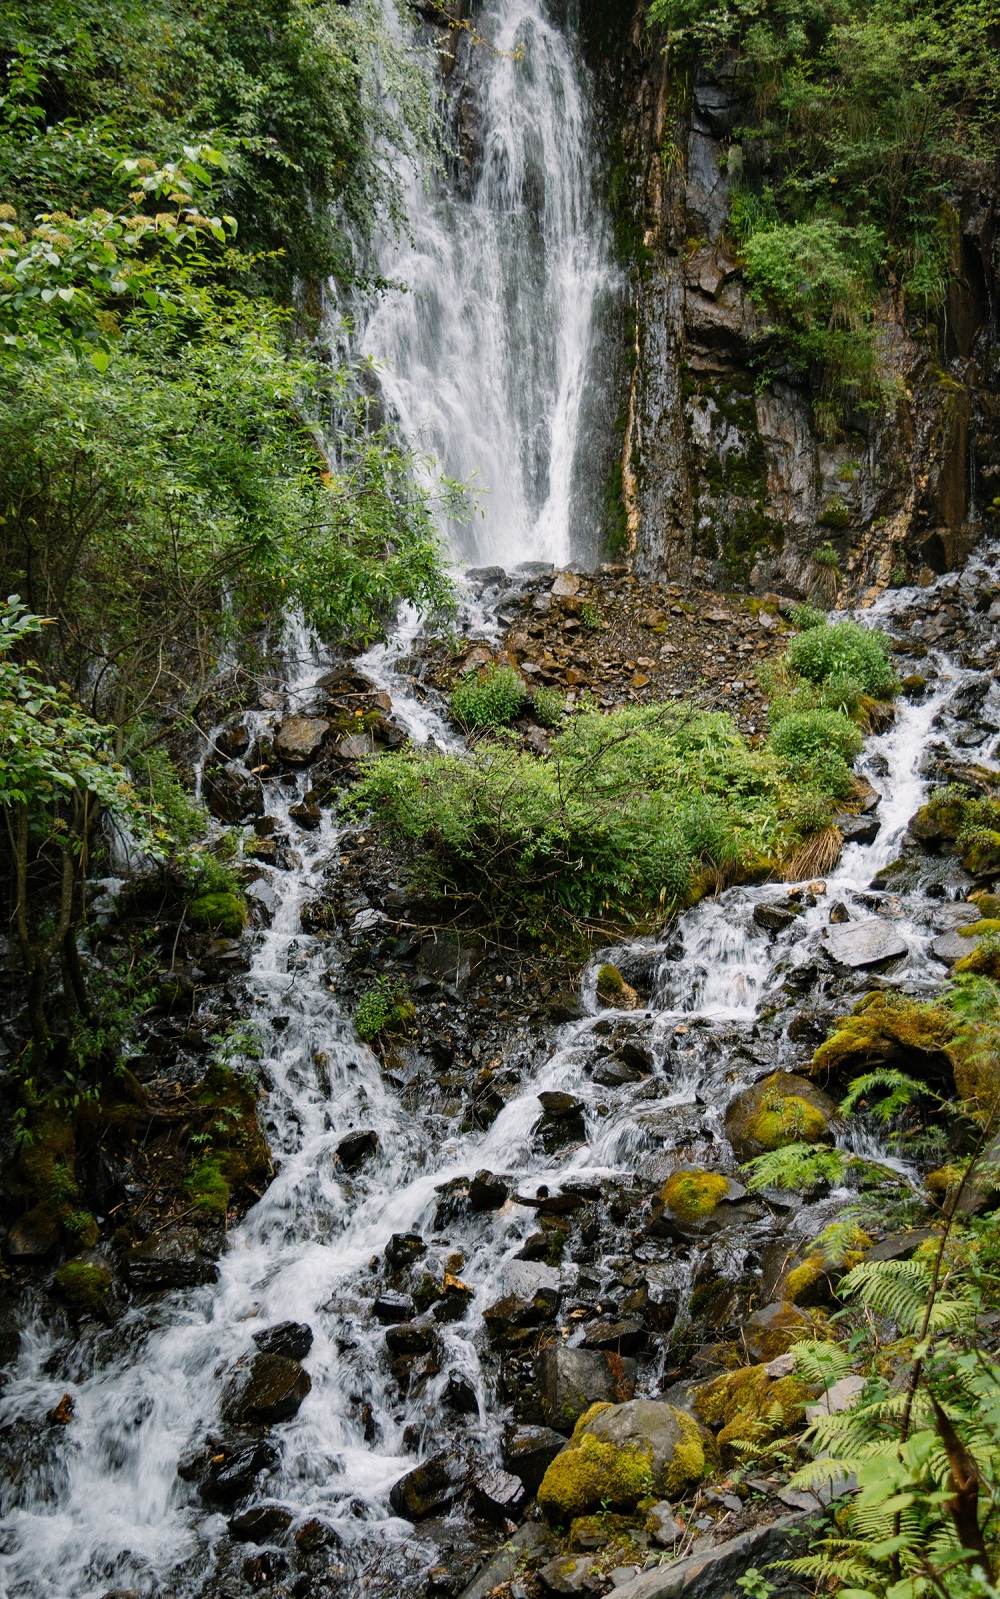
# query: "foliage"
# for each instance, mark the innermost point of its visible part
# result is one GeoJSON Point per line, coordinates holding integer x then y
{"type": "Point", "coordinates": [843, 650]}
{"type": "Point", "coordinates": [805, 616]}
{"type": "Point", "coordinates": [547, 706]}
{"type": "Point", "coordinates": [491, 698]}
{"type": "Point", "coordinates": [383, 1009]}
{"type": "Point", "coordinates": [624, 812]}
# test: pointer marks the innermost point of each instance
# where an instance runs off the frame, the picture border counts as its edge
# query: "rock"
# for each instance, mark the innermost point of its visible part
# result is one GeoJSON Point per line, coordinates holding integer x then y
{"type": "Point", "coordinates": [662, 1526]}
{"type": "Point", "coordinates": [858, 829]}
{"type": "Point", "coordinates": [487, 1192]}
{"type": "Point", "coordinates": [510, 1320]}
{"type": "Point", "coordinates": [839, 913]}
{"type": "Point", "coordinates": [782, 1109]}
{"type": "Point", "coordinates": [563, 1120]}
{"type": "Point", "coordinates": [571, 1574]}
{"type": "Point", "coordinates": [796, 1499]}
{"type": "Point", "coordinates": [356, 1148]}
{"type": "Point", "coordinates": [620, 1337]}
{"type": "Point", "coordinates": [445, 960]}
{"type": "Point", "coordinates": [503, 1567]}
{"type": "Point", "coordinates": [636, 1054]}
{"type": "Point", "coordinates": [34, 1235]}
{"type": "Point", "coordinates": [499, 1496]}
{"type": "Point", "coordinates": [315, 1534]}
{"type": "Point", "coordinates": [771, 1331]}
{"type": "Point", "coordinates": [951, 947]}
{"type": "Point", "coordinates": [529, 1452]}
{"type": "Point", "coordinates": [774, 916]}
{"type": "Point", "coordinates": [291, 1338]}
{"type": "Point", "coordinates": [614, 1073]}
{"type": "Point", "coordinates": [172, 1259]}
{"type": "Point", "coordinates": [354, 746]}
{"type": "Point", "coordinates": [392, 1308]}
{"type": "Point", "coordinates": [840, 1396]}
{"type": "Point", "coordinates": [613, 991]}
{"type": "Point", "coordinates": [260, 1524]}
{"type": "Point", "coordinates": [571, 1380]}
{"type": "Point", "coordinates": [867, 943]}
{"type": "Point", "coordinates": [620, 1454]}
{"type": "Point", "coordinates": [306, 816]}
{"type": "Point", "coordinates": [429, 1489]}
{"type": "Point", "coordinates": [460, 1396]}
{"type": "Point", "coordinates": [711, 1573]}
{"type": "Point", "coordinates": [233, 794]}
{"type": "Point", "coordinates": [298, 739]}
{"type": "Point", "coordinates": [235, 1471]}
{"type": "Point", "coordinates": [268, 1388]}
{"type": "Point", "coordinates": [557, 1104]}
{"type": "Point", "coordinates": [454, 1299]}
{"type": "Point", "coordinates": [411, 1337]}
{"type": "Point", "coordinates": [566, 585]}
{"type": "Point", "coordinates": [901, 1245]}
{"type": "Point", "coordinates": [403, 1249]}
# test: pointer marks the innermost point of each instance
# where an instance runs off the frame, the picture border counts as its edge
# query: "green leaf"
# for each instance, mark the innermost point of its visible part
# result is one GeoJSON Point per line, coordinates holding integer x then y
{"type": "Point", "coordinates": [100, 360]}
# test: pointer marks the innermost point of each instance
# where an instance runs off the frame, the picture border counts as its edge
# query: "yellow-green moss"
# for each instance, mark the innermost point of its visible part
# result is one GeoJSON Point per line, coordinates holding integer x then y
{"type": "Point", "coordinates": [786, 1119]}
{"type": "Point", "coordinates": [983, 852]}
{"type": "Point", "coordinates": [982, 962]}
{"type": "Point", "coordinates": [84, 1287]}
{"type": "Point", "coordinates": [689, 1462]}
{"type": "Point", "coordinates": [749, 1407]}
{"type": "Point", "coordinates": [610, 982]}
{"type": "Point", "coordinates": [883, 1024]}
{"type": "Point", "coordinates": [803, 1278]}
{"type": "Point", "coordinates": [591, 1474]}
{"type": "Point", "coordinates": [693, 1194]}
{"type": "Point", "coordinates": [989, 924]}
{"type": "Point", "coordinates": [606, 1526]}
{"type": "Point", "coordinates": [987, 904]}
{"type": "Point", "coordinates": [208, 1188]}
{"type": "Point", "coordinates": [225, 914]}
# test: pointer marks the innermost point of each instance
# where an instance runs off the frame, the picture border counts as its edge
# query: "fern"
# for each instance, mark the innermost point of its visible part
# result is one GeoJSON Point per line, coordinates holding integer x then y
{"type": "Point", "coordinates": [900, 1090]}
{"type": "Point", "coordinates": [821, 1364]}
{"type": "Point", "coordinates": [900, 1291]}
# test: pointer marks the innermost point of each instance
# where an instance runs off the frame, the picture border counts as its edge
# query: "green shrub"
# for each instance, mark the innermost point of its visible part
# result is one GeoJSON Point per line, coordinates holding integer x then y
{"type": "Point", "coordinates": [827, 556]}
{"type": "Point", "coordinates": [806, 616]}
{"type": "Point", "coordinates": [491, 699]}
{"type": "Point", "coordinates": [385, 1008]}
{"type": "Point", "coordinates": [547, 706]}
{"type": "Point", "coordinates": [844, 650]}
{"type": "Point", "coordinates": [590, 617]}
{"type": "Point", "coordinates": [805, 735]}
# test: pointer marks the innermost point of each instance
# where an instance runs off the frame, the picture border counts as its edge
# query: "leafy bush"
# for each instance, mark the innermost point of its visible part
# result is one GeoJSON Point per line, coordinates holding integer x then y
{"type": "Point", "coordinates": [802, 736]}
{"type": "Point", "coordinates": [625, 811]}
{"type": "Point", "coordinates": [844, 650]}
{"type": "Point", "coordinates": [547, 706]}
{"type": "Point", "coordinates": [491, 698]}
{"type": "Point", "coordinates": [806, 616]}
{"type": "Point", "coordinates": [383, 1009]}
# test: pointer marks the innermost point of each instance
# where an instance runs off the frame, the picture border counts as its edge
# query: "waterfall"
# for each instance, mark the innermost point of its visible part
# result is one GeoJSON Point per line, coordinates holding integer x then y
{"type": "Point", "coordinates": [486, 352]}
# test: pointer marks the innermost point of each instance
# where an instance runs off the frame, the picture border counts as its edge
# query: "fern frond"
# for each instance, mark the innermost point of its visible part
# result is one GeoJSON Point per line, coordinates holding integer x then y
{"type": "Point", "coordinates": [821, 1363]}
{"type": "Point", "coordinates": [899, 1091]}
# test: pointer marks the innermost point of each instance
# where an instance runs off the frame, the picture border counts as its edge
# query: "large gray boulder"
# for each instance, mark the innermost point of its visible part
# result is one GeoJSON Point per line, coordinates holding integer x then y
{"type": "Point", "coordinates": [868, 943]}
{"type": "Point", "coordinates": [298, 739]}
{"type": "Point", "coordinates": [571, 1380]}
{"type": "Point", "coordinates": [712, 1574]}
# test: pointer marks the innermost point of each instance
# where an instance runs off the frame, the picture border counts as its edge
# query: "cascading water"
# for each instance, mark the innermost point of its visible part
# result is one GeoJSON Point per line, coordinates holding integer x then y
{"type": "Point", "coordinates": [485, 358]}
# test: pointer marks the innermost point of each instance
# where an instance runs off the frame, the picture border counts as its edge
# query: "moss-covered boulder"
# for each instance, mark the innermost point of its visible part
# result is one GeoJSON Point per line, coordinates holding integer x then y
{"type": "Point", "coordinates": [782, 1109]}
{"type": "Point", "coordinates": [772, 1330]}
{"type": "Point", "coordinates": [750, 1407]}
{"type": "Point", "coordinates": [987, 904]}
{"type": "Point", "coordinates": [810, 1276]}
{"type": "Point", "coordinates": [983, 959]}
{"type": "Point", "coordinates": [981, 855]}
{"type": "Point", "coordinates": [84, 1285]}
{"type": "Point", "coordinates": [691, 1193]}
{"type": "Point", "coordinates": [224, 914]}
{"type": "Point", "coordinates": [237, 1157]}
{"type": "Point", "coordinates": [613, 991]}
{"type": "Point", "coordinates": [620, 1455]}
{"type": "Point", "coordinates": [887, 1029]}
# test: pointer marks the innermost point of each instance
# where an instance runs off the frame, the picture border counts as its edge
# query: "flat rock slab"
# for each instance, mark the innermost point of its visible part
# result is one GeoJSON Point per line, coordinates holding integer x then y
{"type": "Point", "coordinates": [299, 737]}
{"type": "Point", "coordinates": [866, 943]}
{"type": "Point", "coordinates": [704, 1576]}
{"type": "Point", "coordinates": [950, 947]}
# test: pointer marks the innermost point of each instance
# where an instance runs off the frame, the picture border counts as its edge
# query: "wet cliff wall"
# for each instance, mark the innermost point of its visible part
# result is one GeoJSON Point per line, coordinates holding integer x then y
{"type": "Point", "coordinates": [725, 475]}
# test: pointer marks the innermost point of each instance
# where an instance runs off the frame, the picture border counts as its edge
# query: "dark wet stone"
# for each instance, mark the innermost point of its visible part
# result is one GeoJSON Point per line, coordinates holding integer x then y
{"type": "Point", "coordinates": [636, 1054]}
{"type": "Point", "coordinates": [571, 1380]}
{"type": "Point", "coordinates": [487, 1192]}
{"type": "Point", "coordinates": [299, 738]}
{"type": "Point", "coordinates": [499, 1496]}
{"type": "Point", "coordinates": [621, 1337]}
{"type": "Point", "coordinates": [306, 816]}
{"type": "Point", "coordinates": [34, 1235]}
{"type": "Point", "coordinates": [291, 1338]}
{"type": "Point", "coordinates": [615, 1073]}
{"type": "Point", "coordinates": [411, 1338]}
{"type": "Point", "coordinates": [173, 1259]}
{"type": "Point", "coordinates": [529, 1452]}
{"type": "Point", "coordinates": [774, 916]}
{"type": "Point", "coordinates": [393, 1308]}
{"type": "Point", "coordinates": [262, 1570]}
{"type": "Point", "coordinates": [356, 1148]}
{"type": "Point", "coordinates": [315, 1534]}
{"type": "Point", "coordinates": [268, 1388]}
{"type": "Point", "coordinates": [234, 1472]}
{"type": "Point", "coordinates": [557, 1104]}
{"type": "Point", "coordinates": [454, 1301]}
{"type": "Point", "coordinates": [404, 1248]}
{"type": "Point", "coordinates": [901, 1245]}
{"type": "Point", "coordinates": [510, 1318]}
{"type": "Point", "coordinates": [260, 1524]}
{"type": "Point", "coordinates": [233, 794]}
{"type": "Point", "coordinates": [460, 1396]}
{"type": "Point", "coordinates": [839, 914]}
{"type": "Point", "coordinates": [429, 1489]}
{"type": "Point", "coordinates": [858, 829]}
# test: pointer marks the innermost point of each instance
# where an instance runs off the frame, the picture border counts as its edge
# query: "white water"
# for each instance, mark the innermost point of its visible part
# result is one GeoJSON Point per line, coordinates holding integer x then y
{"type": "Point", "coordinates": [485, 358]}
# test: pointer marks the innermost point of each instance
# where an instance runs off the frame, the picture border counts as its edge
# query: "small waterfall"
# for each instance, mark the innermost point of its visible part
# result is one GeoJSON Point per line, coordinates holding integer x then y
{"type": "Point", "coordinates": [484, 357]}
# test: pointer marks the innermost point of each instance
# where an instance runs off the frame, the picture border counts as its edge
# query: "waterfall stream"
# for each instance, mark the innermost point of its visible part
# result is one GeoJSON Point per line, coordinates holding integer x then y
{"type": "Point", "coordinates": [484, 362]}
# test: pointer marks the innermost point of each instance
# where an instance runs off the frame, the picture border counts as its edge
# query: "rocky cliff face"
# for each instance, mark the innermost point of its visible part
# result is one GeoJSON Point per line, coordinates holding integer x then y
{"type": "Point", "coordinates": [716, 471]}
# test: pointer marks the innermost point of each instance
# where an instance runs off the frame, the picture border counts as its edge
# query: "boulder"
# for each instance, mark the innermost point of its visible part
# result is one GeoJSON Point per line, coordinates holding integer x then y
{"type": "Point", "coordinates": [868, 943]}
{"type": "Point", "coordinates": [953, 946]}
{"type": "Point", "coordinates": [233, 794]}
{"type": "Point", "coordinates": [713, 1572]}
{"type": "Point", "coordinates": [529, 1452]}
{"type": "Point", "coordinates": [235, 1470]}
{"type": "Point", "coordinates": [620, 1454]}
{"type": "Point", "coordinates": [34, 1235]}
{"type": "Point", "coordinates": [487, 1192]}
{"type": "Point", "coordinates": [572, 1574]}
{"type": "Point", "coordinates": [291, 1338]}
{"type": "Point", "coordinates": [773, 1330]}
{"type": "Point", "coordinates": [429, 1489]}
{"type": "Point", "coordinates": [172, 1259]}
{"type": "Point", "coordinates": [611, 1072]}
{"type": "Point", "coordinates": [858, 829]}
{"type": "Point", "coordinates": [499, 1496]}
{"type": "Point", "coordinates": [565, 585]}
{"type": "Point", "coordinates": [392, 1308]}
{"type": "Point", "coordinates": [620, 1337]}
{"type": "Point", "coordinates": [355, 746]}
{"type": "Point", "coordinates": [268, 1388]}
{"type": "Point", "coordinates": [403, 1249]}
{"type": "Point", "coordinates": [562, 1121]}
{"type": "Point", "coordinates": [571, 1380]}
{"type": "Point", "coordinates": [356, 1148]}
{"type": "Point", "coordinates": [775, 915]}
{"type": "Point", "coordinates": [260, 1524]}
{"type": "Point", "coordinates": [613, 991]}
{"type": "Point", "coordinates": [298, 739]}
{"type": "Point", "coordinates": [411, 1337]}
{"type": "Point", "coordinates": [460, 1396]}
{"type": "Point", "coordinates": [662, 1526]}
{"type": "Point", "coordinates": [782, 1109]}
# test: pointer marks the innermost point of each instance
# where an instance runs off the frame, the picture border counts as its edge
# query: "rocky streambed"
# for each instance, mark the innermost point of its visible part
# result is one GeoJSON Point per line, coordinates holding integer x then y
{"type": "Point", "coordinates": [367, 1381]}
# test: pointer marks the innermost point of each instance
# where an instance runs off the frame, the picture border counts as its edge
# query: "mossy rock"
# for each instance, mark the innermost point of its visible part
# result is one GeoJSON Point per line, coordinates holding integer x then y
{"type": "Point", "coordinates": [45, 1166]}
{"type": "Point", "coordinates": [620, 1455]}
{"type": "Point", "coordinates": [987, 904]}
{"type": "Point", "coordinates": [913, 686]}
{"type": "Point", "coordinates": [208, 1188]}
{"type": "Point", "coordinates": [85, 1287]}
{"type": "Point", "coordinates": [612, 989]}
{"type": "Point", "coordinates": [692, 1193]}
{"type": "Point", "coordinates": [982, 962]}
{"type": "Point", "coordinates": [783, 1109]}
{"type": "Point", "coordinates": [834, 514]}
{"type": "Point", "coordinates": [982, 856]}
{"type": "Point", "coordinates": [224, 914]}
{"type": "Point", "coordinates": [773, 1330]}
{"type": "Point", "coordinates": [237, 1149]}
{"type": "Point", "coordinates": [812, 1278]}
{"type": "Point", "coordinates": [750, 1408]}
{"type": "Point", "coordinates": [887, 1029]}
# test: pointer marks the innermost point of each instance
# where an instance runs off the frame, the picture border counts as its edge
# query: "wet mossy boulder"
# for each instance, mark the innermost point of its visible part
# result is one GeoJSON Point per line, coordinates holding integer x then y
{"type": "Point", "coordinates": [810, 1277]}
{"type": "Point", "coordinates": [237, 1159]}
{"type": "Point", "coordinates": [85, 1286]}
{"type": "Point", "coordinates": [620, 1455]}
{"type": "Point", "coordinates": [782, 1109]}
{"type": "Point", "coordinates": [267, 1388]}
{"type": "Point", "coordinates": [224, 914]}
{"type": "Point", "coordinates": [981, 854]}
{"type": "Point", "coordinates": [988, 905]}
{"type": "Point", "coordinates": [983, 959]}
{"type": "Point", "coordinates": [749, 1407]}
{"type": "Point", "coordinates": [886, 1029]}
{"type": "Point", "coordinates": [692, 1193]}
{"type": "Point", "coordinates": [613, 991]}
{"type": "Point", "coordinates": [772, 1330]}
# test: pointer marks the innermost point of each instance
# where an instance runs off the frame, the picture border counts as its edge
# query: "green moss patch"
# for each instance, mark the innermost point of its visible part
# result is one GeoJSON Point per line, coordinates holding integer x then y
{"type": "Point", "coordinates": [749, 1408]}
{"type": "Point", "coordinates": [225, 914]}
{"type": "Point", "coordinates": [690, 1195]}
{"type": "Point", "coordinates": [886, 1029]}
{"type": "Point", "coordinates": [786, 1119]}
{"type": "Point", "coordinates": [84, 1287]}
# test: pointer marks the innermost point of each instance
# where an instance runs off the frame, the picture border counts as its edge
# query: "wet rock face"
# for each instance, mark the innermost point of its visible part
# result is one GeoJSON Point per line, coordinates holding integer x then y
{"type": "Point", "coordinates": [299, 738]}
{"type": "Point", "coordinates": [782, 1109]}
{"type": "Point", "coordinates": [269, 1388]}
{"type": "Point", "coordinates": [571, 1380]}
{"type": "Point", "coordinates": [177, 1258]}
{"type": "Point", "coordinates": [293, 1339]}
{"type": "Point", "coordinates": [430, 1489]}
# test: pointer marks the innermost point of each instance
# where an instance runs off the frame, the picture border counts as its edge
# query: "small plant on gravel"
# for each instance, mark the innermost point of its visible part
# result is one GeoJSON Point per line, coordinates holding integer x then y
{"type": "Point", "coordinates": [492, 698]}
{"type": "Point", "coordinates": [547, 706]}
{"type": "Point", "coordinates": [590, 617]}
{"type": "Point", "coordinates": [383, 1009]}
{"type": "Point", "coordinates": [805, 616]}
